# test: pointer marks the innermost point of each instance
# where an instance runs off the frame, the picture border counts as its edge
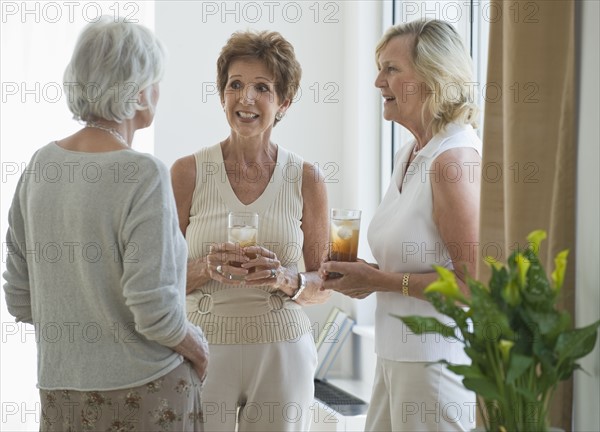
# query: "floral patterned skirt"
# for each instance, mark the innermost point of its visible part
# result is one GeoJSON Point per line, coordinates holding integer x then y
{"type": "Point", "coordinates": [170, 403]}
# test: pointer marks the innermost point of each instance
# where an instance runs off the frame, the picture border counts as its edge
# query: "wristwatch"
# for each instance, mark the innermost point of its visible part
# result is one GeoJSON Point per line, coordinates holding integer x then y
{"type": "Point", "coordinates": [301, 286]}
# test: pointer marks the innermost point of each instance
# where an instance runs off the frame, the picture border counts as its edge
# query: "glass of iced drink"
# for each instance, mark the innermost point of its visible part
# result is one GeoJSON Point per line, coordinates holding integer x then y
{"type": "Point", "coordinates": [242, 231]}
{"type": "Point", "coordinates": [343, 236]}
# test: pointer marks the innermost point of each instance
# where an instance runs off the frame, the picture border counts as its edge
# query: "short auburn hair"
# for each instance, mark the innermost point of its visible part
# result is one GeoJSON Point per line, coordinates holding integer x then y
{"type": "Point", "coordinates": [268, 47]}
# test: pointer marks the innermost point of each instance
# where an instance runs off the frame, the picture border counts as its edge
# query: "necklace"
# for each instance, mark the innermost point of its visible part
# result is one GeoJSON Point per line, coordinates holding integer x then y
{"type": "Point", "coordinates": [112, 131]}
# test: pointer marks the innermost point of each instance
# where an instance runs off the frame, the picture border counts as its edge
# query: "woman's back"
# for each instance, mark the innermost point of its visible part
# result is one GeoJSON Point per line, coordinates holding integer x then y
{"type": "Point", "coordinates": [102, 285]}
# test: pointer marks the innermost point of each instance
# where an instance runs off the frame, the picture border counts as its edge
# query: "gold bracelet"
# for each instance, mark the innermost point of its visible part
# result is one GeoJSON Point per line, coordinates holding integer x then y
{"type": "Point", "coordinates": [405, 279]}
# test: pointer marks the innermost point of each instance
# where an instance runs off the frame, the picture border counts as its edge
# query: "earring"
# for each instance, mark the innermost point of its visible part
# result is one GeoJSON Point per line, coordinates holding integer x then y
{"type": "Point", "coordinates": [279, 115]}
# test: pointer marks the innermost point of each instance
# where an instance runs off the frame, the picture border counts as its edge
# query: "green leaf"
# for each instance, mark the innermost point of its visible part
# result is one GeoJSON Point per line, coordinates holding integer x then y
{"type": "Point", "coordinates": [529, 395]}
{"type": "Point", "coordinates": [420, 325]}
{"type": "Point", "coordinates": [483, 386]}
{"type": "Point", "coordinates": [497, 282]}
{"type": "Point", "coordinates": [544, 322]}
{"type": "Point", "coordinates": [545, 357]}
{"type": "Point", "coordinates": [518, 364]}
{"type": "Point", "coordinates": [467, 371]}
{"type": "Point", "coordinates": [450, 309]}
{"type": "Point", "coordinates": [476, 356]}
{"type": "Point", "coordinates": [524, 340]}
{"type": "Point", "coordinates": [562, 324]}
{"type": "Point", "coordinates": [537, 293]}
{"type": "Point", "coordinates": [566, 370]}
{"type": "Point", "coordinates": [511, 293]}
{"type": "Point", "coordinates": [489, 321]}
{"type": "Point", "coordinates": [548, 374]}
{"type": "Point", "coordinates": [576, 343]}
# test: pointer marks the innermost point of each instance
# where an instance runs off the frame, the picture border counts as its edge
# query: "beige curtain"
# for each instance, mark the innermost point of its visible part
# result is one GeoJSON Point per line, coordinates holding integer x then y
{"type": "Point", "coordinates": [529, 146]}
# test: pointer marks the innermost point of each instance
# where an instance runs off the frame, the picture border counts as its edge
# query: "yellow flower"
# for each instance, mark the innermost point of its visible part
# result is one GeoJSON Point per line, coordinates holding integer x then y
{"type": "Point", "coordinates": [445, 274]}
{"type": "Point", "coordinates": [442, 287]}
{"type": "Point", "coordinates": [505, 346]}
{"type": "Point", "coordinates": [493, 262]}
{"type": "Point", "coordinates": [446, 285]}
{"type": "Point", "coordinates": [535, 238]}
{"type": "Point", "coordinates": [558, 275]}
{"type": "Point", "coordinates": [523, 265]}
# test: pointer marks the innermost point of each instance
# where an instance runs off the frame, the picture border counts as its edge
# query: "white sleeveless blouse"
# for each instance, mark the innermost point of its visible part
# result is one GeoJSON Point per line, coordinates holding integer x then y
{"type": "Point", "coordinates": [230, 314]}
{"type": "Point", "coordinates": [404, 238]}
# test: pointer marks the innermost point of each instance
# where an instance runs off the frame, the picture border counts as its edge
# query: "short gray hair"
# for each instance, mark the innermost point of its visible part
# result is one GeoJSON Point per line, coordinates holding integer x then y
{"type": "Point", "coordinates": [441, 60]}
{"type": "Point", "coordinates": [112, 62]}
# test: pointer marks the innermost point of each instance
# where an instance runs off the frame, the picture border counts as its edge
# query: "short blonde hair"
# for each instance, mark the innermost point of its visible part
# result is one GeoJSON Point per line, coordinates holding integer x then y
{"type": "Point", "coordinates": [112, 62]}
{"type": "Point", "coordinates": [441, 60]}
{"type": "Point", "coordinates": [268, 47]}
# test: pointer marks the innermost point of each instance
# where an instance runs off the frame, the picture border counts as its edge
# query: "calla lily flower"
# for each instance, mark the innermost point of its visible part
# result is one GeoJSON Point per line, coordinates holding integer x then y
{"type": "Point", "coordinates": [517, 309]}
{"type": "Point", "coordinates": [558, 275]}
{"type": "Point", "coordinates": [505, 346]}
{"type": "Point", "coordinates": [535, 238]}
{"type": "Point", "coordinates": [445, 274]}
{"type": "Point", "coordinates": [523, 265]}
{"type": "Point", "coordinates": [442, 287]}
{"type": "Point", "coordinates": [493, 262]}
{"type": "Point", "coordinates": [446, 285]}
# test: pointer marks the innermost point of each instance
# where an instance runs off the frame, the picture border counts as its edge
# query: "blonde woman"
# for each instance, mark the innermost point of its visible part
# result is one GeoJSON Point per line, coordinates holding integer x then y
{"type": "Point", "coordinates": [429, 215]}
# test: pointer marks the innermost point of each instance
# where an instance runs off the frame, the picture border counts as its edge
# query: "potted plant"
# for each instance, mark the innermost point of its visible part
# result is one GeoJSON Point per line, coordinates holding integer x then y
{"type": "Point", "coordinates": [519, 343]}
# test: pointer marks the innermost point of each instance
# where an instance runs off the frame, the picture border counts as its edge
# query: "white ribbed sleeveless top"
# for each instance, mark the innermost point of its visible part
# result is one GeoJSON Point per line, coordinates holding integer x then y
{"type": "Point", "coordinates": [404, 238]}
{"type": "Point", "coordinates": [234, 315]}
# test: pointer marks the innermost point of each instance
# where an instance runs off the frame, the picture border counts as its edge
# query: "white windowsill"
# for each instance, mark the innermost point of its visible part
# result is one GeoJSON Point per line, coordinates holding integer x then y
{"type": "Point", "coordinates": [367, 331]}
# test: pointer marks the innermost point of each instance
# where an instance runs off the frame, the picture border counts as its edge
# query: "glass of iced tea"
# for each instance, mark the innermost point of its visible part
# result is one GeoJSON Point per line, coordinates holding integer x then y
{"type": "Point", "coordinates": [343, 236]}
{"type": "Point", "coordinates": [242, 230]}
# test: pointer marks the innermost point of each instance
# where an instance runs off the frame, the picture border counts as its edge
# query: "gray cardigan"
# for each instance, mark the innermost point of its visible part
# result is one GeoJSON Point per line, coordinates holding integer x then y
{"type": "Point", "coordinates": [96, 262]}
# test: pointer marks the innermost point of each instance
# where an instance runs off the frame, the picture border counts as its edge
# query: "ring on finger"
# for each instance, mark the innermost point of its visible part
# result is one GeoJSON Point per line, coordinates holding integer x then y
{"type": "Point", "coordinates": [273, 273]}
{"type": "Point", "coordinates": [220, 269]}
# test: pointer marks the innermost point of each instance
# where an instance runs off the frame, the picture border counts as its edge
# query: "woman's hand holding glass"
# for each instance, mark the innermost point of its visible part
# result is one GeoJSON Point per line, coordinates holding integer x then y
{"type": "Point", "coordinates": [264, 268]}
{"type": "Point", "coordinates": [253, 265]}
{"type": "Point", "coordinates": [220, 263]}
{"type": "Point", "coordinates": [358, 279]}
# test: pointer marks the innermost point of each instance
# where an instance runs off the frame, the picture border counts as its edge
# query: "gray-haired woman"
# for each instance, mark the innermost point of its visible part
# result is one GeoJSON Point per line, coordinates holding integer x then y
{"type": "Point", "coordinates": [96, 260]}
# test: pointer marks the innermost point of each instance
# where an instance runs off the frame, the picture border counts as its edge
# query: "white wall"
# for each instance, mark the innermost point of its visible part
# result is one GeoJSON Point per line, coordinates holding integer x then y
{"type": "Point", "coordinates": [587, 386]}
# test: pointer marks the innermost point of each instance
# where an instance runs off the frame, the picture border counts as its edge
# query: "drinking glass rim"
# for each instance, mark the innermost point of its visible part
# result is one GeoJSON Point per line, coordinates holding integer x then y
{"type": "Point", "coordinates": [344, 210]}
